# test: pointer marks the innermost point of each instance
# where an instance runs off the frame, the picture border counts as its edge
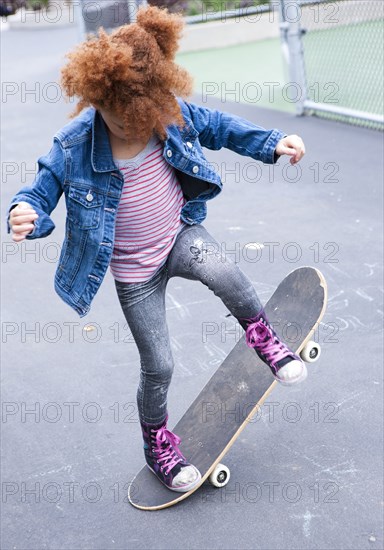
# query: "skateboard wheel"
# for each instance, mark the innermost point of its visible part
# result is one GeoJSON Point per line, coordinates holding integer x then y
{"type": "Point", "coordinates": [220, 476]}
{"type": "Point", "coordinates": [310, 352]}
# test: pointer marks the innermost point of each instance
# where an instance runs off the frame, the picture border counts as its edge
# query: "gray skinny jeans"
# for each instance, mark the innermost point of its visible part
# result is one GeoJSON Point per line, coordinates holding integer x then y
{"type": "Point", "coordinates": [195, 255]}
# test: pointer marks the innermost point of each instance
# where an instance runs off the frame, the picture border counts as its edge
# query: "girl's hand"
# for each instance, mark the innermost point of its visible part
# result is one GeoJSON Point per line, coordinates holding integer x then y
{"type": "Point", "coordinates": [21, 221]}
{"type": "Point", "coordinates": [292, 146]}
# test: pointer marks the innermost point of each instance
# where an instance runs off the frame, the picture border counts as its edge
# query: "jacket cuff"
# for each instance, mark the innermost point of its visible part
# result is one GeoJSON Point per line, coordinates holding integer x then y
{"type": "Point", "coordinates": [268, 155]}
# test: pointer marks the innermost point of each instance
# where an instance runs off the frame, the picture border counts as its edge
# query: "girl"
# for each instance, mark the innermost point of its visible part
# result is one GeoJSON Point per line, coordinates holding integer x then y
{"type": "Point", "coordinates": [136, 182]}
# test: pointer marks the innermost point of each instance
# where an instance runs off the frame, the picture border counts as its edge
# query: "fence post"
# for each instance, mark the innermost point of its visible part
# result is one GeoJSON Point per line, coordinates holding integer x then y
{"type": "Point", "coordinates": [133, 6]}
{"type": "Point", "coordinates": [292, 47]}
{"type": "Point", "coordinates": [78, 11]}
{"type": "Point", "coordinates": [109, 14]}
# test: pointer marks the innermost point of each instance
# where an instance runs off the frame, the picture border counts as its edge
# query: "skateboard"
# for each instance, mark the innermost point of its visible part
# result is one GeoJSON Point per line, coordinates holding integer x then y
{"type": "Point", "coordinates": [237, 389]}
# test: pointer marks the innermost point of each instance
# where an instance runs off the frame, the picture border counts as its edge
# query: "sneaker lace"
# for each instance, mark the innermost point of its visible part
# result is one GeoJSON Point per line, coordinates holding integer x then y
{"type": "Point", "coordinates": [260, 336]}
{"type": "Point", "coordinates": [166, 449]}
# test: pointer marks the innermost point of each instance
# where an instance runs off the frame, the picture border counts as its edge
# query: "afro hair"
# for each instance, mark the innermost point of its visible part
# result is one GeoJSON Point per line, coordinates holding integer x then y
{"type": "Point", "coordinates": [132, 73]}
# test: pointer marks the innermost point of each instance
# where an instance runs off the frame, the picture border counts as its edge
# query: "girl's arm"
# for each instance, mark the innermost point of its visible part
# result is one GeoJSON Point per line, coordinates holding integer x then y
{"type": "Point", "coordinates": [219, 129]}
{"type": "Point", "coordinates": [43, 194]}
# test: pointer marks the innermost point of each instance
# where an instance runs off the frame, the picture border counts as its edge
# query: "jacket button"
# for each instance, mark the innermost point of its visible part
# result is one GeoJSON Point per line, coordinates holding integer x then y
{"type": "Point", "coordinates": [169, 153]}
{"type": "Point", "coordinates": [89, 197]}
{"type": "Point", "coordinates": [189, 144]}
{"type": "Point", "coordinates": [195, 169]}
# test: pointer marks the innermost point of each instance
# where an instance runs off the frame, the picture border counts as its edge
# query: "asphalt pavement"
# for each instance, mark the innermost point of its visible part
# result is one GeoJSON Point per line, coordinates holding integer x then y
{"type": "Point", "coordinates": [307, 473]}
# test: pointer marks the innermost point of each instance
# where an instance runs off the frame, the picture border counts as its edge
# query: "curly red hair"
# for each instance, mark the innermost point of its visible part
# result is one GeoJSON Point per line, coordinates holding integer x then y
{"type": "Point", "coordinates": [132, 73]}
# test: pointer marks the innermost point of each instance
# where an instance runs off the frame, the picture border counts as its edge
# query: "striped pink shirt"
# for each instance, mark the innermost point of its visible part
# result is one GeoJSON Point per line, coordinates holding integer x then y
{"type": "Point", "coordinates": [148, 216]}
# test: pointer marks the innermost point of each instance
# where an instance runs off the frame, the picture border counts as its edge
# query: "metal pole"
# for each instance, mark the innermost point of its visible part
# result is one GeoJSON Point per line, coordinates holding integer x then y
{"type": "Point", "coordinates": [344, 111]}
{"type": "Point", "coordinates": [78, 13]}
{"type": "Point", "coordinates": [133, 6]}
{"type": "Point", "coordinates": [292, 48]}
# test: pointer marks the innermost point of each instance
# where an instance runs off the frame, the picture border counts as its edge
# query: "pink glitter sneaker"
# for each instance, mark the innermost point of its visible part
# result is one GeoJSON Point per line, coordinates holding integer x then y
{"type": "Point", "coordinates": [165, 459]}
{"type": "Point", "coordinates": [286, 366]}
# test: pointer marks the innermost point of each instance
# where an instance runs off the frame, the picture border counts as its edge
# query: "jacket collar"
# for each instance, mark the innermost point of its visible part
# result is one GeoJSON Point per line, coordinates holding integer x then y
{"type": "Point", "coordinates": [102, 159]}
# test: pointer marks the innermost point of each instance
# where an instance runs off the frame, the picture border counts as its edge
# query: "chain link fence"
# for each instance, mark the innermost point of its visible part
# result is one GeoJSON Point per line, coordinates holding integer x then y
{"type": "Point", "coordinates": [111, 14]}
{"type": "Point", "coordinates": [200, 11]}
{"type": "Point", "coordinates": [334, 52]}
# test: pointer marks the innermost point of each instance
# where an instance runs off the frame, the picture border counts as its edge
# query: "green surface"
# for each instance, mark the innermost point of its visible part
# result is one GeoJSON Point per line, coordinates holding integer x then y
{"type": "Point", "coordinates": [240, 73]}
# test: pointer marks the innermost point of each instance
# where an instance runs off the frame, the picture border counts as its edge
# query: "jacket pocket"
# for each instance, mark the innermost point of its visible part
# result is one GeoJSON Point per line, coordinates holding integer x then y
{"type": "Point", "coordinates": [84, 207]}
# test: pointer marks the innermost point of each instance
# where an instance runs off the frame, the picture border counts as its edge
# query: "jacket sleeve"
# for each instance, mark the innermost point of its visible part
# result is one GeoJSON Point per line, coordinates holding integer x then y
{"type": "Point", "coordinates": [44, 192]}
{"type": "Point", "coordinates": [219, 129]}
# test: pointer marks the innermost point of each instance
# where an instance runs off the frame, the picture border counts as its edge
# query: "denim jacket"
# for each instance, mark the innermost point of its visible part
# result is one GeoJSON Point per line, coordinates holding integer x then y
{"type": "Point", "coordinates": [80, 165]}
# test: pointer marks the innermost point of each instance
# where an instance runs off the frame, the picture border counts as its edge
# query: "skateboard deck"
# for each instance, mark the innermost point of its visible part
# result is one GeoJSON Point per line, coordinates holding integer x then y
{"type": "Point", "coordinates": [240, 384]}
